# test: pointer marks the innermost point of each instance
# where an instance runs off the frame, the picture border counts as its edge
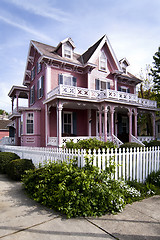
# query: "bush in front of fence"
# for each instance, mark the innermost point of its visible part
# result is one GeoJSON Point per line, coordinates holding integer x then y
{"type": "Point", "coordinates": [5, 159]}
{"type": "Point", "coordinates": [74, 191]}
{"type": "Point", "coordinates": [16, 168]}
{"type": "Point", "coordinates": [154, 178]}
{"type": "Point", "coordinates": [91, 143]}
{"type": "Point", "coordinates": [152, 143]}
{"type": "Point", "coordinates": [131, 145]}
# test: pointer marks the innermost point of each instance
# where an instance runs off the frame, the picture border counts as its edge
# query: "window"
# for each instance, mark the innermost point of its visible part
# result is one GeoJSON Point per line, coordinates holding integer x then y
{"type": "Point", "coordinates": [103, 62]}
{"type": "Point", "coordinates": [67, 50]}
{"type": "Point", "coordinates": [21, 124]}
{"type": "Point", "coordinates": [67, 80]}
{"type": "Point", "coordinates": [39, 67]}
{"type": "Point", "coordinates": [67, 123]}
{"type": "Point", "coordinates": [40, 84]}
{"type": "Point", "coordinates": [32, 95]}
{"type": "Point", "coordinates": [30, 123]}
{"type": "Point", "coordinates": [32, 73]}
{"type": "Point", "coordinates": [101, 85]}
{"type": "Point", "coordinates": [124, 89]}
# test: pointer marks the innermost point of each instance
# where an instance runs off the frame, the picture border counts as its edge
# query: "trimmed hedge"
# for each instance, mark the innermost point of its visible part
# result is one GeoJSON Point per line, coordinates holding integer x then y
{"type": "Point", "coordinates": [5, 159]}
{"type": "Point", "coordinates": [91, 143]}
{"type": "Point", "coordinates": [130, 145]}
{"type": "Point", "coordinates": [152, 143]}
{"type": "Point", "coordinates": [16, 168]}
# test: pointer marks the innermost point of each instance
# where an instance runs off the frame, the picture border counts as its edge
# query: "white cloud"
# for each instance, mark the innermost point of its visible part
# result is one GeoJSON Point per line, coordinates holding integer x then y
{"type": "Point", "coordinates": [42, 8]}
{"type": "Point", "coordinates": [18, 23]}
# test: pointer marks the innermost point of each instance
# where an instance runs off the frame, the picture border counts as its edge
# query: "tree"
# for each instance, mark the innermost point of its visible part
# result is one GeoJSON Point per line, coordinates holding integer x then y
{"type": "Point", "coordinates": [145, 88]}
{"type": "Point", "coordinates": [155, 72]}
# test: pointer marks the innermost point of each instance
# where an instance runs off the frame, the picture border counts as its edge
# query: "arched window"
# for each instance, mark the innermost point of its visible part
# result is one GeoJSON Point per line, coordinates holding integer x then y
{"type": "Point", "coordinates": [103, 62]}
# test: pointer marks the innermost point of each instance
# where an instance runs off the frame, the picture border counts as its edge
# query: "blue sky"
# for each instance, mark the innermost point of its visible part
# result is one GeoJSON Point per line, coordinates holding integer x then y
{"type": "Point", "coordinates": [133, 28]}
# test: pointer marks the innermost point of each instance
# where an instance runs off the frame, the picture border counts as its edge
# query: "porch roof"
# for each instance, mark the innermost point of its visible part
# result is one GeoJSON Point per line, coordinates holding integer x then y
{"type": "Point", "coordinates": [18, 89]}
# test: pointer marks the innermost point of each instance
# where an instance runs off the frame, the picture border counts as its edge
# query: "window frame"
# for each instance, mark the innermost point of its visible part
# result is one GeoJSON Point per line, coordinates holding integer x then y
{"type": "Point", "coordinates": [40, 87]}
{"type": "Point", "coordinates": [33, 73]}
{"type": "Point", "coordinates": [67, 48]}
{"type": "Point", "coordinates": [29, 133]}
{"type": "Point", "coordinates": [72, 78]}
{"type": "Point", "coordinates": [99, 85]}
{"type": "Point", "coordinates": [32, 95]}
{"type": "Point", "coordinates": [103, 59]}
{"type": "Point", "coordinates": [71, 114]}
{"type": "Point", "coordinates": [39, 67]}
{"type": "Point", "coordinates": [122, 88]}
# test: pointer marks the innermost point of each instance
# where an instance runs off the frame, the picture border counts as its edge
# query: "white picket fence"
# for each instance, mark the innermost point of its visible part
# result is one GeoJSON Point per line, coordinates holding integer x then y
{"type": "Point", "coordinates": [130, 164]}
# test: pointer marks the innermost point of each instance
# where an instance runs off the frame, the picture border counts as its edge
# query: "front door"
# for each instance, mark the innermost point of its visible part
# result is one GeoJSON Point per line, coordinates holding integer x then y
{"type": "Point", "coordinates": [123, 128]}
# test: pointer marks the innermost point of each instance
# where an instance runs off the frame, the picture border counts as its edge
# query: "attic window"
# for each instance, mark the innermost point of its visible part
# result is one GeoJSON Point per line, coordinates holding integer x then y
{"type": "Point", "coordinates": [67, 50]}
{"type": "Point", "coordinates": [103, 62]}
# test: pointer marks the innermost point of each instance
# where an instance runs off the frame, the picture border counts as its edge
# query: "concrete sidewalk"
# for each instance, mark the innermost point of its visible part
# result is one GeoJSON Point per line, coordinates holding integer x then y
{"type": "Point", "coordinates": [22, 219]}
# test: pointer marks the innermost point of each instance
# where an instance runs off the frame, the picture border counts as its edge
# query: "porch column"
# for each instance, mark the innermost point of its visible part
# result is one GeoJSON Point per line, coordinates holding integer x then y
{"type": "Point", "coordinates": [47, 124]}
{"type": "Point", "coordinates": [153, 123]}
{"type": "Point", "coordinates": [105, 123]}
{"type": "Point", "coordinates": [100, 124]}
{"type": "Point", "coordinates": [17, 101]}
{"type": "Point", "coordinates": [59, 123]}
{"type": "Point", "coordinates": [112, 121]}
{"type": "Point", "coordinates": [12, 104]}
{"type": "Point", "coordinates": [130, 124]}
{"type": "Point", "coordinates": [135, 123]}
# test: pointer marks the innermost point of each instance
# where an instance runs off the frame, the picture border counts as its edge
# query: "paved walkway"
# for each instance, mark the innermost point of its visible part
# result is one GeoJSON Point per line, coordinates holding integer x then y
{"type": "Point", "coordinates": [22, 219]}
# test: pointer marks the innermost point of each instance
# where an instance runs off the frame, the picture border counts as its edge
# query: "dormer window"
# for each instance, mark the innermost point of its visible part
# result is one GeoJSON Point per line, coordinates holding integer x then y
{"type": "Point", "coordinates": [67, 50]}
{"type": "Point", "coordinates": [103, 62]}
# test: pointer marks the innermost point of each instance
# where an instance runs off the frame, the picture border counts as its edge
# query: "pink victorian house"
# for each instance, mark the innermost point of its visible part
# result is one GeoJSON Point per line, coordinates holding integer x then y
{"type": "Point", "coordinates": [73, 96]}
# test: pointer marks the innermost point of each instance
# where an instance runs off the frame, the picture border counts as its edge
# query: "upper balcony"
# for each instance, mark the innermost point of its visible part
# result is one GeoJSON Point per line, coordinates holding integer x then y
{"type": "Point", "coordinates": [97, 95]}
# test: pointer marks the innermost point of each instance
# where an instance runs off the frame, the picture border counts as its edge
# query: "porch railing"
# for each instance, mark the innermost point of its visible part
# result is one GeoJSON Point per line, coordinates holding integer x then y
{"type": "Point", "coordinates": [145, 138]}
{"type": "Point", "coordinates": [7, 141]}
{"type": "Point", "coordinates": [136, 140]}
{"type": "Point", "coordinates": [97, 94]}
{"type": "Point", "coordinates": [117, 141]}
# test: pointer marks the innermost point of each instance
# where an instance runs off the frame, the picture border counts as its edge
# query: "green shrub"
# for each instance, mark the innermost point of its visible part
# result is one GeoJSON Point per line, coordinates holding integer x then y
{"type": "Point", "coordinates": [77, 191]}
{"type": "Point", "coordinates": [146, 189]}
{"type": "Point", "coordinates": [152, 143]}
{"type": "Point", "coordinates": [91, 144]}
{"type": "Point", "coordinates": [130, 145]}
{"type": "Point", "coordinates": [5, 158]}
{"type": "Point", "coordinates": [154, 178]}
{"type": "Point", "coordinates": [16, 168]}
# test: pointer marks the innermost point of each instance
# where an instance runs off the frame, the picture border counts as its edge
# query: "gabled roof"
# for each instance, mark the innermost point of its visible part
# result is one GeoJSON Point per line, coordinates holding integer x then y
{"type": "Point", "coordinates": [87, 58]}
{"type": "Point", "coordinates": [64, 41]}
{"type": "Point", "coordinates": [50, 52]}
{"type": "Point", "coordinates": [87, 55]}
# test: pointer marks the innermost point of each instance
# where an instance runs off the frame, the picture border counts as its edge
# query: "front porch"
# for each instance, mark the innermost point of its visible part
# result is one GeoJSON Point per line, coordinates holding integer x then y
{"type": "Point", "coordinates": [74, 121]}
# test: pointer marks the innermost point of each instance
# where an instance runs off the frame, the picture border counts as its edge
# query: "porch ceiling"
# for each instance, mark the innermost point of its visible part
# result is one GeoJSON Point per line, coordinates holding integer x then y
{"type": "Point", "coordinates": [76, 105]}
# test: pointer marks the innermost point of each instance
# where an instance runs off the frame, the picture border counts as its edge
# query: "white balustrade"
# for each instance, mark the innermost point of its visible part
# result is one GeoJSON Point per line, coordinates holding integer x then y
{"type": "Point", "coordinates": [136, 140]}
{"type": "Point", "coordinates": [145, 138]}
{"type": "Point", "coordinates": [97, 94]}
{"type": "Point", "coordinates": [7, 141]}
{"type": "Point", "coordinates": [116, 141]}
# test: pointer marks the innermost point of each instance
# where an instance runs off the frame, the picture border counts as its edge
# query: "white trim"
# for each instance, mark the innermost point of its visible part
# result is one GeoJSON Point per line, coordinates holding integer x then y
{"type": "Point", "coordinates": [67, 47]}
{"type": "Point", "coordinates": [26, 123]}
{"type": "Point", "coordinates": [105, 40]}
{"type": "Point", "coordinates": [102, 56]}
{"type": "Point", "coordinates": [71, 113]}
